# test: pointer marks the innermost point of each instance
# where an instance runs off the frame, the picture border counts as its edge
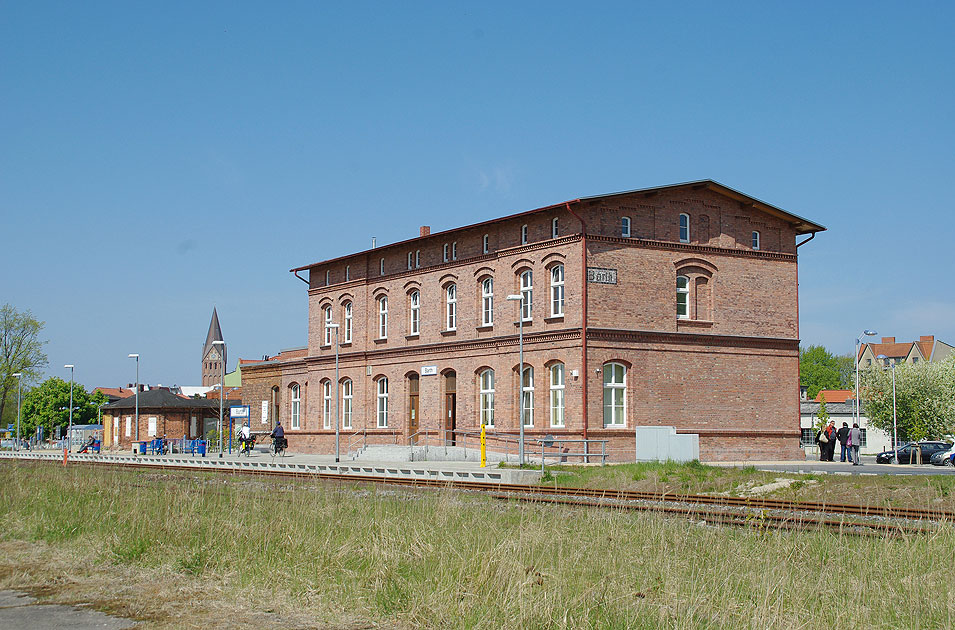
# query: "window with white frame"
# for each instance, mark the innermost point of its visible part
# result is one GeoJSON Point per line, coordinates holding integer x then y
{"type": "Point", "coordinates": [410, 260]}
{"type": "Point", "coordinates": [382, 402]}
{"type": "Point", "coordinates": [327, 316]}
{"type": "Point", "coordinates": [557, 395]}
{"type": "Point", "coordinates": [454, 250]}
{"type": "Point", "coordinates": [446, 252]}
{"type": "Point", "coordinates": [527, 294]}
{"type": "Point", "coordinates": [383, 317]}
{"type": "Point", "coordinates": [347, 397]}
{"type": "Point", "coordinates": [129, 425]}
{"type": "Point", "coordinates": [347, 273]}
{"type": "Point", "coordinates": [557, 291]}
{"type": "Point", "coordinates": [381, 267]}
{"type": "Point", "coordinates": [755, 240]}
{"type": "Point", "coordinates": [485, 246]}
{"type": "Point", "coordinates": [554, 227]}
{"type": "Point", "coordinates": [451, 304]}
{"type": "Point", "coordinates": [524, 234]}
{"type": "Point", "coordinates": [486, 388]}
{"type": "Point", "coordinates": [527, 395]}
{"type": "Point", "coordinates": [346, 317]}
{"type": "Point", "coordinates": [682, 297]}
{"type": "Point", "coordinates": [417, 259]}
{"type": "Point", "coordinates": [615, 394]}
{"type": "Point", "coordinates": [414, 316]}
{"type": "Point", "coordinates": [327, 404]}
{"type": "Point", "coordinates": [296, 397]}
{"type": "Point", "coordinates": [328, 278]}
{"type": "Point", "coordinates": [487, 302]}
{"type": "Point", "coordinates": [625, 227]}
{"type": "Point", "coordinates": [684, 228]}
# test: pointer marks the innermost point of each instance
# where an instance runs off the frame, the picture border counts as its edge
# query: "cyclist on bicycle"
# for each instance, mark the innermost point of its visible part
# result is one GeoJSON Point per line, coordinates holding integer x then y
{"type": "Point", "coordinates": [245, 437]}
{"type": "Point", "coordinates": [278, 435]}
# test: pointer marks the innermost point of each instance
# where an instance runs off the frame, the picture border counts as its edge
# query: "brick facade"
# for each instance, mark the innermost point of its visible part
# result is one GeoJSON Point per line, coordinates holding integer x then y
{"type": "Point", "coordinates": [728, 371]}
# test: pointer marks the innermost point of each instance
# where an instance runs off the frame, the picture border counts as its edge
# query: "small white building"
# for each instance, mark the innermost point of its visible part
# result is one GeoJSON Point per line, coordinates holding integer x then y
{"type": "Point", "coordinates": [840, 405]}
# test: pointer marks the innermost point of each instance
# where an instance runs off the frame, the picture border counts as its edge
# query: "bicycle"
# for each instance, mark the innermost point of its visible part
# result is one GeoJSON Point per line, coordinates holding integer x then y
{"type": "Point", "coordinates": [246, 446]}
{"type": "Point", "coordinates": [279, 444]}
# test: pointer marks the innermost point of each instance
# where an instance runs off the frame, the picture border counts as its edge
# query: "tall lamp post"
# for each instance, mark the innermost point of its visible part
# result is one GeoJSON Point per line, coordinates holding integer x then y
{"type": "Point", "coordinates": [221, 389]}
{"type": "Point", "coordinates": [136, 356]}
{"type": "Point", "coordinates": [338, 393]}
{"type": "Point", "coordinates": [520, 378]}
{"type": "Point", "coordinates": [19, 376]}
{"type": "Point", "coordinates": [865, 333]}
{"type": "Point", "coordinates": [69, 432]}
{"type": "Point", "coordinates": [895, 426]}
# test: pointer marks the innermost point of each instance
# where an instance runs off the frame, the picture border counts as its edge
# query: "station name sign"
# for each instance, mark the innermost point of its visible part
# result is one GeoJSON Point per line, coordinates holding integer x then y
{"type": "Point", "coordinates": [429, 370]}
{"type": "Point", "coordinates": [599, 275]}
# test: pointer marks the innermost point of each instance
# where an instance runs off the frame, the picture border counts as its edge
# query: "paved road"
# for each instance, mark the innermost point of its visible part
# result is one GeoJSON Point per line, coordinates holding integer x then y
{"type": "Point", "coordinates": [19, 611]}
{"type": "Point", "coordinates": [869, 467]}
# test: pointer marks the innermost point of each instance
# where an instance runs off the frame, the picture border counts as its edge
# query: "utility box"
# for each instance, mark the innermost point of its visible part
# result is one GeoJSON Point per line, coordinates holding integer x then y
{"type": "Point", "coordinates": [659, 444]}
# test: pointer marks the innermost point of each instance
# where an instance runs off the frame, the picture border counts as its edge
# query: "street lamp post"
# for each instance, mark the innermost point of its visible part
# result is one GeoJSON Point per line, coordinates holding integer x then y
{"type": "Point", "coordinates": [895, 426]}
{"type": "Point", "coordinates": [69, 432]}
{"type": "Point", "coordinates": [865, 333]}
{"type": "Point", "coordinates": [520, 378]}
{"type": "Point", "coordinates": [338, 392]}
{"type": "Point", "coordinates": [19, 376]}
{"type": "Point", "coordinates": [136, 356]}
{"type": "Point", "coordinates": [221, 389]}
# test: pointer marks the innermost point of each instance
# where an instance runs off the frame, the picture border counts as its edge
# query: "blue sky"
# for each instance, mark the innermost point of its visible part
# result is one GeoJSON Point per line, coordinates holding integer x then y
{"type": "Point", "coordinates": [157, 159]}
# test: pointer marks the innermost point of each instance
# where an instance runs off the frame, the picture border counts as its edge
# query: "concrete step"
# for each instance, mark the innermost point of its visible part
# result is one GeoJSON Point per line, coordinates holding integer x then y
{"type": "Point", "coordinates": [401, 453]}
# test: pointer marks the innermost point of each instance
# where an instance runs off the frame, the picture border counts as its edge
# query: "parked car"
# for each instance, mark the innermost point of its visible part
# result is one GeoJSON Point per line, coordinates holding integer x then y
{"type": "Point", "coordinates": [943, 458]}
{"type": "Point", "coordinates": [907, 452]}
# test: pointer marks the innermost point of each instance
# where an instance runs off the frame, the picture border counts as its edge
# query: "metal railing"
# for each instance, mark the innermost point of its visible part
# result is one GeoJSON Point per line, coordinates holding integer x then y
{"type": "Point", "coordinates": [508, 444]}
{"type": "Point", "coordinates": [361, 437]}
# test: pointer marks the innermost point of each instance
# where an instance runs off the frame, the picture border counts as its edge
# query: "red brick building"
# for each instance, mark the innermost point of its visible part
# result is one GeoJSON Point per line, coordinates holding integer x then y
{"type": "Point", "coordinates": [674, 305]}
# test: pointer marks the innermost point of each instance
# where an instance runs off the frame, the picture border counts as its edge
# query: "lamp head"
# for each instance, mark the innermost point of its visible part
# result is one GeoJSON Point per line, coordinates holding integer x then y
{"type": "Point", "coordinates": [134, 356]}
{"type": "Point", "coordinates": [331, 325]}
{"type": "Point", "coordinates": [869, 333]}
{"type": "Point", "coordinates": [218, 343]}
{"type": "Point", "coordinates": [69, 366]}
{"type": "Point", "coordinates": [17, 374]}
{"type": "Point", "coordinates": [882, 357]}
{"type": "Point", "coordinates": [515, 297]}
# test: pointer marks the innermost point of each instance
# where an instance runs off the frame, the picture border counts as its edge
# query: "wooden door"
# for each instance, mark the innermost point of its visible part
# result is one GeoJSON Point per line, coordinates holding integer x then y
{"type": "Point", "coordinates": [450, 407]}
{"type": "Point", "coordinates": [413, 414]}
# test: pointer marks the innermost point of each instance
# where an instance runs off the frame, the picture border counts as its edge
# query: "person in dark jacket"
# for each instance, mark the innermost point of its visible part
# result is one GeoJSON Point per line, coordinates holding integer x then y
{"type": "Point", "coordinates": [278, 434]}
{"type": "Point", "coordinates": [843, 434]}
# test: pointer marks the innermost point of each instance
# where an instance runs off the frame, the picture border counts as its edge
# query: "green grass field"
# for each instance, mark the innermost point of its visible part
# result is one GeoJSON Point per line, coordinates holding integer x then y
{"type": "Point", "coordinates": [202, 550]}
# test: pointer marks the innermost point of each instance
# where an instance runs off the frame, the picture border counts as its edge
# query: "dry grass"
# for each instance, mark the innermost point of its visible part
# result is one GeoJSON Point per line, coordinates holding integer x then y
{"type": "Point", "coordinates": [201, 550]}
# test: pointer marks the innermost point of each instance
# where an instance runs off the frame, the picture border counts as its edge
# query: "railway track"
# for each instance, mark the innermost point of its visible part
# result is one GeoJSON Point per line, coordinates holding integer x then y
{"type": "Point", "coordinates": [707, 509]}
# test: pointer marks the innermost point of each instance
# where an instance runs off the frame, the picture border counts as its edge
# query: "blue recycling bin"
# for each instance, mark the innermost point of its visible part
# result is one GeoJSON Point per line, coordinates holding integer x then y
{"type": "Point", "coordinates": [201, 447]}
{"type": "Point", "coordinates": [142, 448]}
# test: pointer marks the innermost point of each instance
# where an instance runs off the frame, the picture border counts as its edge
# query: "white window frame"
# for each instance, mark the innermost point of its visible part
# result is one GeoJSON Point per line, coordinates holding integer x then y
{"type": "Point", "coordinates": [487, 302]}
{"type": "Point", "coordinates": [381, 267]}
{"type": "Point", "coordinates": [524, 234]}
{"type": "Point", "coordinates": [486, 244]}
{"type": "Point", "coordinates": [683, 297]}
{"type": "Point", "coordinates": [615, 414]}
{"type": "Point", "coordinates": [527, 295]}
{"type": "Point", "coordinates": [555, 227]}
{"type": "Point", "coordinates": [348, 393]}
{"type": "Point", "coordinates": [414, 313]}
{"type": "Point", "coordinates": [346, 316]}
{"type": "Point", "coordinates": [383, 317]}
{"type": "Point", "coordinates": [382, 387]}
{"type": "Point", "coordinates": [454, 250]}
{"type": "Point", "coordinates": [410, 260]}
{"type": "Point", "coordinates": [557, 387]}
{"type": "Point", "coordinates": [327, 317]}
{"type": "Point", "coordinates": [755, 240]}
{"type": "Point", "coordinates": [557, 291]}
{"type": "Point", "coordinates": [446, 252]}
{"type": "Point", "coordinates": [129, 426]}
{"type": "Point", "coordinates": [327, 404]}
{"type": "Point", "coordinates": [451, 307]}
{"type": "Point", "coordinates": [347, 273]}
{"type": "Point", "coordinates": [417, 259]}
{"type": "Point", "coordinates": [527, 395]}
{"type": "Point", "coordinates": [684, 227]}
{"type": "Point", "coordinates": [486, 395]}
{"type": "Point", "coordinates": [295, 396]}
{"type": "Point", "coordinates": [328, 277]}
{"type": "Point", "coordinates": [625, 227]}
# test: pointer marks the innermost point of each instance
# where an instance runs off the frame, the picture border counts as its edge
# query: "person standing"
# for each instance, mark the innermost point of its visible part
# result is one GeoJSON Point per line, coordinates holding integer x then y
{"type": "Point", "coordinates": [830, 445]}
{"type": "Point", "coordinates": [855, 442]}
{"type": "Point", "coordinates": [843, 434]}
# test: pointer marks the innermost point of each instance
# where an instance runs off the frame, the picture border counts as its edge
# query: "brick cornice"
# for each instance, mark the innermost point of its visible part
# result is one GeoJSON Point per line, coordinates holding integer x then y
{"type": "Point", "coordinates": [754, 434]}
{"type": "Point", "coordinates": [698, 339]}
{"type": "Point", "coordinates": [688, 247]}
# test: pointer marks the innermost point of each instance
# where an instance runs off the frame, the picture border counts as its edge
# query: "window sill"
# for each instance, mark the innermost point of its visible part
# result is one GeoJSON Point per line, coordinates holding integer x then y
{"type": "Point", "coordinates": [325, 346]}
{"type": "Point", "coordinates": [449, 333]}
{"type": "Point", "coordinates": [526, 322]}
{"type": "Point", "coordinates": [485, 327]}
{"type": "Point", "coordinates": [554, 318]}
{"type": "Point", "coordinates": [694, 323]}
{"type": "Point", "coordinates": [381, 340]}
{"type": "Point", "coordinates": [412, 336]}
{"type": "Point", "coordinates": [347, 344]}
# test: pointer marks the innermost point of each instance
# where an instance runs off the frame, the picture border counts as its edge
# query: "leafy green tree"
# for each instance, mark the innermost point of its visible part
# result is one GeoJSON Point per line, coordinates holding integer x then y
{"type": "Point", "coordinates": [820, 369]}
{"type": "Point", "coordinates": [48, 405]}
{"type": "Point", "coordinates": [924, 399]}
{"type": "Point", "coordinates": [21, 351]}
{"type": "Point", "coordinates": [822, 414]}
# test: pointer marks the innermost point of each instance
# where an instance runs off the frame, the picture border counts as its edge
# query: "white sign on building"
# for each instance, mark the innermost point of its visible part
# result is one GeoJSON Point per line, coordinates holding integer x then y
{"type": "Point", "coordinates": [265, 412]}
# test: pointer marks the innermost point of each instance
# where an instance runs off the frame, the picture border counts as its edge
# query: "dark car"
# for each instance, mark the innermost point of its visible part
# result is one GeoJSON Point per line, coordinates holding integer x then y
{"type": "Point", "coordinates": [909, 452]}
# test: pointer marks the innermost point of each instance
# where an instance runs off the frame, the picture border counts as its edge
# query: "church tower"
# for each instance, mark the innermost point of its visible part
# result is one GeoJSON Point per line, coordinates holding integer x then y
{"type": "Point", "coordinates": [213, 356]}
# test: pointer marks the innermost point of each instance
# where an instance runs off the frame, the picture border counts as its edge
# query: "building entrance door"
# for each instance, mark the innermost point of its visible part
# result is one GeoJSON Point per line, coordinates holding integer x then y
{"type": "Point", "coordinates": [413, 408]}
{"type": "Point", "coordinates": [450, 407]}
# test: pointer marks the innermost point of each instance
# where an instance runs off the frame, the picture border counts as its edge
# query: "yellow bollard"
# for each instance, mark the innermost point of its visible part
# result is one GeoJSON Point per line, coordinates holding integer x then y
{"type": "Point", "coordinates": [483, 447]}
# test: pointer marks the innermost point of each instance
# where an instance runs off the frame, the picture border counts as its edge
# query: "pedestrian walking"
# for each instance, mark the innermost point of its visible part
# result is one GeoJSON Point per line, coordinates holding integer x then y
{"type": "Point", "coordinates": [855, 442]}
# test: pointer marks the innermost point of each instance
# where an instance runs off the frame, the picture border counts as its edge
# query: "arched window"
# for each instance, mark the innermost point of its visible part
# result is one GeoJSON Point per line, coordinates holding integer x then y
{"type": "Point", "coordinates": [327, 316]}
{"type": "Point", "coordinates": [486, 386]}
{"type": "Point", "coordinates": [485, 248]}
{"type": "Point", "coordinates": [755, 240]}
{"type": "Point", "coordinates": [527, 293]}
{"type": "Point", "coordinates": [684, 228]}
{"type": "Point", "coordinates": [554, 227]}
{"type": "Point", "coordinates": [682, 297]}
{"type": "Point", "coordinates": [615, 394]}
{"type": "Point", "coordinates": [382, 402]}
{"type": "Point", "coordinates": [383, 317]}
{"type": "Point", "coordinates": [557, 291]}
{"type": "Point", "coordinates": [527, 396]}
{"type": "Point", "coordinates": [414, 321]}
{"type": "Point", "coordinates": [346, 403]}
{"type": "Point", "coordinates": [524, 234]}
{"type": "Point", "coordinates": [557, 395]}
{"type": "Point", "coordinates": [625, 227]}
{"type": "Point", "coordinates": [346, 316]}
{"type": "Point", "coordinates": [327, 404]}
{"type": "Point", "coordinates": [487, 302]}
{"type": "Point", "coordinates": [296, 397]}
{"type": "Point", "coordinates": [452, 307]}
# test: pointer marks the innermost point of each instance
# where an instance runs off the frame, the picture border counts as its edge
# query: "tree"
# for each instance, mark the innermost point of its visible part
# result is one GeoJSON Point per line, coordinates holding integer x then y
{"type": "Point", "coordinates": [822, 414]}
{"type": "Point", "coordinates": [20, 351]}
{"type": "Point", "coordinates": [820, 369]}
{"type": "Point", "coordinates": [48, 405]}
{"type": "Point", "coordinates": [924, 399]}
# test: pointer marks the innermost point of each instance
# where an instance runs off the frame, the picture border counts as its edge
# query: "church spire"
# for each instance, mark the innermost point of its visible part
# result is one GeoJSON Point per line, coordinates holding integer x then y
{"type": "Point", "coordinates": [212, 362]}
